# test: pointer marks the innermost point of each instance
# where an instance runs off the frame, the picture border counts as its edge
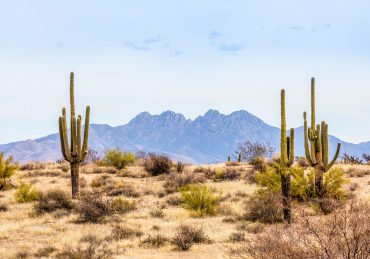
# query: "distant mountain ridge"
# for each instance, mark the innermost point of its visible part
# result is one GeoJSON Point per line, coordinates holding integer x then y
{"type": "Point", "coordinates": [207, 139]}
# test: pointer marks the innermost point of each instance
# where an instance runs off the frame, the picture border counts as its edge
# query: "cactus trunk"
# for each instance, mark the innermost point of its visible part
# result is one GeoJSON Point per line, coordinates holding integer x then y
{"type": "Point", "coordinates": [316, 143]}
{"type": "Point", "coordinates": [285, 189]}
{"type": "Point", "coordinates": [287, 159]}
{"type": "Point", "coordinates": [76, 151]}
{"type": "Point", "coordinates": [75, 172]}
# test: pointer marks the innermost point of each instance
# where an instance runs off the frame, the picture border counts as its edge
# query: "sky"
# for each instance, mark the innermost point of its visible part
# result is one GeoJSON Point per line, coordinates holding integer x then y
{"type": "Point", "coordinates": [185, 56]}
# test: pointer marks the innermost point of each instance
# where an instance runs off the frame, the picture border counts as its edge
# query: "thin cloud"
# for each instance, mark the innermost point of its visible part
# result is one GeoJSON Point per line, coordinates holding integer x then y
{"type": "Point", "coordinates": [133, 45]}
{"type": "Point", "coordinates": [214, 35]}
{"type": "Point", "coordinates": [154, 39]}
{"type": "Point", "coordinates": [296, 28]}
{"type": "Point", "coordinates": [172, 51]}
{"type": "Point", "coordinates": [233, 48]}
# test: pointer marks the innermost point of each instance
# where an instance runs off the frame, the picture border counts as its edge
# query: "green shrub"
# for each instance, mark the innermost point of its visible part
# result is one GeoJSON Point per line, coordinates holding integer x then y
{"type": "Point", "coordinates": [118, 159]}
{"type": "Point", "coordinates": [7, 168]}
{"type": "Point", "coordinates": [26, 193]}
{"type": "Point", "coordinates": [333, 182]}
{"type": "Point", "coordinates": [200, 199]}
{"type": "Point", "coordinates": [302, 183]}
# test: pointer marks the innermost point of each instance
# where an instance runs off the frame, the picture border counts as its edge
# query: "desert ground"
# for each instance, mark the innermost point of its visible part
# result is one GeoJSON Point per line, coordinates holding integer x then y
{"type": "Point", "coordinates": [156, 213]}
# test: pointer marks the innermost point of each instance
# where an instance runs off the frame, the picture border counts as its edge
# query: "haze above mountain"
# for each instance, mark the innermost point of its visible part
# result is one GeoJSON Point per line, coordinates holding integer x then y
{"type": "Point", "coordinates": [207, 139]}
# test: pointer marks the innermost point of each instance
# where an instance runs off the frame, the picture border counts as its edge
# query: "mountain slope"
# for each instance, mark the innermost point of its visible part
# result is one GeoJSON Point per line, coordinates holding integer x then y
{"type": "Point", "coordinates": [207, 139]}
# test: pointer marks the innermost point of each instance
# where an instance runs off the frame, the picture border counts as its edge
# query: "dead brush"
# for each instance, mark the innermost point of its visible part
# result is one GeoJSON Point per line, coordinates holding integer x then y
{"type": "Point", "coordinates": [345, 234]}
{"type": "Point", "coordinates": [93, 209]}
{"type": "Point", "coordinates": [124, 189]}
{"type": "Point", "coordinates": [174, 181]}
{"type": "Point", "coordinates": [122, 232]}
{"type": "Point", "coordinates": [187, 235]}
{"type": "Point", "coordinates": [53, 200]}
{"type": "Point", "coordinates": [88, 246]}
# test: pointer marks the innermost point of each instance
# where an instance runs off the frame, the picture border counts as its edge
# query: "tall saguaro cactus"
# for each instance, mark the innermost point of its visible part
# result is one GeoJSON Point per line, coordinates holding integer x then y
{"type": "Point", "coordinates": [317, 154]}
{"type": "Point", "coordinates": [76, 152]}
{"type": "Point", "coordinates": [286, 160]}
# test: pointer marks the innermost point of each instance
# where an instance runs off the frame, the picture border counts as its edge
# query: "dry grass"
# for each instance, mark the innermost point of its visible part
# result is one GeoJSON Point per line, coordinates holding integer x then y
{"type": "Point", "coordinates": [132, 230]}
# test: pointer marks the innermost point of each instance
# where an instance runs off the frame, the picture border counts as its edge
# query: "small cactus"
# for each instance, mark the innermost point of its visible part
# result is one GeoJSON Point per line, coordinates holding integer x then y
{"type": "Point", "coordinates": [239, 158]}
{"type": "Point", "coordinates": [317, 154]}
{"type": "Point", "coordinates": [286, 160]}
{"type": "Point", "coordinates": [229, 159]}
{"type": "Point", "coordinates": [77, 151]}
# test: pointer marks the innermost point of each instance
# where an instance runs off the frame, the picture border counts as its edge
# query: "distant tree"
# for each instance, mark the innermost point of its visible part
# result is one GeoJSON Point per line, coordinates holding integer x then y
{"type": "Point", "coordinates": [366, 157]}
{"type": "Point", "coordinates": [250, 150]}
{"type": "Point", "coordinates": [352, 160]}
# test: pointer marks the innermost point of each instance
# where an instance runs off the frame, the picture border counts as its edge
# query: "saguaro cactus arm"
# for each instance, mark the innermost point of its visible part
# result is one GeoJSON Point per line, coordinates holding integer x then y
{"type": "Point", "coordinates": [307, 137]}
{"type": "Point", "coordinates": [291, 147]}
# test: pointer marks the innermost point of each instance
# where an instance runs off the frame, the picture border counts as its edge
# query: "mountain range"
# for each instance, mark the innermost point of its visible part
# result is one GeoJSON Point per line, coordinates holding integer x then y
{"type": "Point", "coordinates": [209, 138]}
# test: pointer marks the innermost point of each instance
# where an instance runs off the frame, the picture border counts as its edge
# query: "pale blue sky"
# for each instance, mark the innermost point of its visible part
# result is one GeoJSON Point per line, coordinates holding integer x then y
{"type": "Point", "coordinates": [185, 56]}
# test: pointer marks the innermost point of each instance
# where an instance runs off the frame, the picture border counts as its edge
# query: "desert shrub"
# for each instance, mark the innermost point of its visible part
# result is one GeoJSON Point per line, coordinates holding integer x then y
{"type": "Point", "coordinates": [258, 164]}
{"type": "Point", "coordinates": [187, 235]}
{"type": "Point", "coordinates": [7, 168]}
{"type": "Point", "coordinates": [344, 234]}
{"type": "Point", "coordinates": [53, 200]}
{"type": "Point", "coordinates": [88, 247]}
{"type": "Point", "coordinates": [45, 251]}
{"type": "Point", "coordinates": [263, 206]}
{"type": "Point", "coordinates": [200, 199]}
{"type": "Point", "coordinates": [64, 167]}
{"type": "Point", "coordinates": [253, 228]}
{"type": "Point", "coordinates": [250, 150]}
{"type": "Point", "coordinates": [156, 213]}
{"type": "Point", "coordinates": [124, 189]}
{"type": "Point", "coordinates": [26, 193]}
{"type": "Point", "coordinates": [227, 174]}
{"type": "Point", "coordinates": [32, 166]}
{"type": "Point", "coordinates": [46, 173]}
{"type": "Point", "coordinates": [121, 232]}
{"type": "Point", "coordinates": [180, 167]}
{"type": "Point", "coordinates": [174, 181]}
{"type": "Point", "coordinates": [353, 187]}
{"type": "Point", "coordinates": [156, 241]}
{"type": "Point", "coordinates": [92, 209]}
{"type": "Point", "coordinates": [102, 182]}
{"type": "Point", "coordinates": [4, 207]}
{"type": "Point", "coordinates": [92, 157]}
{"type": "Point", "coordinates": [157, 164]}
{"type": "Point", "coordinates": [302, 162]}
{"type": "Point", "coordinates": [333, 182]}
{"type": "Point", "coordinates": [237, 237]}
{"type": "Point", "coordinates": [173, 200]}
{"type": "Point", "coordinates": [118, 159]}
{"type": "Point", "coordinates": [122, 206]}
{"type": "Point", "coordinates": [326, 205]}
{"type": "Point", "coordinates": [302, 184]}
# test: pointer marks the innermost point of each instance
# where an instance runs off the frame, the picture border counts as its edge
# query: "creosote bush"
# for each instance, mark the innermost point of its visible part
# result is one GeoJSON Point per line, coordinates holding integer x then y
{"type": "Point", "coordinates": [118, 159]}
{"type": "Point", "coordinates": [53, 200]}
{"type": "Point", "coordinates": [259, 164]}
{"type": "Point", "coordinates": [302, 183]}
{"type": "Point", "coordinates": [200, 200]}
{"type": "Point", "coordinates": [157, 164]}
{"type": "Point", "coordinates": [7, 168]}
{"type": "Point", "coordinates": [26, 193]}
